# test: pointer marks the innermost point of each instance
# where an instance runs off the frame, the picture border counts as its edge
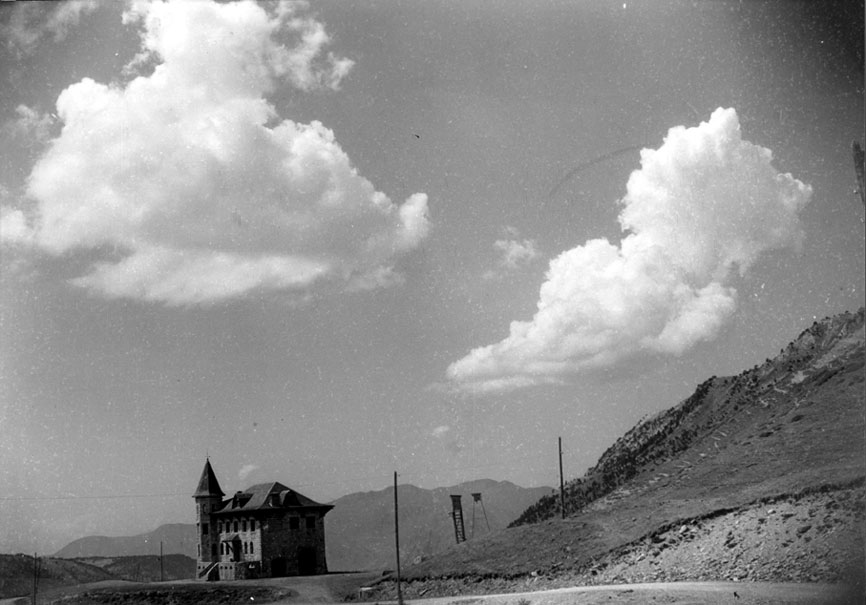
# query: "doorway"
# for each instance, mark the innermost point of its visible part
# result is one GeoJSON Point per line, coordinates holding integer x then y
{"type": "Point", "coordinates": [278, 567]}
{"type": "Point", "coordinates": [307, 561]}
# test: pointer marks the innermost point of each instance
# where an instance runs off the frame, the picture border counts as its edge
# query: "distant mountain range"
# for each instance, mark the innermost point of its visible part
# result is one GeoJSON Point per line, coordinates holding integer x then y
{"type": "Point", "coordinates": [176, 538]}
{"type": "Point", "coordinates": [360, 529]}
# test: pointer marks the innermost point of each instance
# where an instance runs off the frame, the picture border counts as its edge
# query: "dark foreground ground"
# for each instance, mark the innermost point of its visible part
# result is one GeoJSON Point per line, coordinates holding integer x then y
{"type": "Point", "coordinates": [331, 588]}
{"type": "Point", "coordinates": [336, 588]}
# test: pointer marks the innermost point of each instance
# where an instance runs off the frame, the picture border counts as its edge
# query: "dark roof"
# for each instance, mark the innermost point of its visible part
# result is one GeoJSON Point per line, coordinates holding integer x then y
{"type": "Point", "coordinates": [260, 497]}
{"type": "Point", "coordinates": [208, 484]}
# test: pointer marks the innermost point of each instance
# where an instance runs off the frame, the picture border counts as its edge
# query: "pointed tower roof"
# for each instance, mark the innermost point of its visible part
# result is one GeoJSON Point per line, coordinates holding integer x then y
{"type": "Point", "coordinates": [208, 484]}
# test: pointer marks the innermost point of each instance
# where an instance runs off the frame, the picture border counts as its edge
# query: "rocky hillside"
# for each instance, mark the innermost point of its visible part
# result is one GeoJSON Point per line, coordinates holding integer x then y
{"type": "Point", "coordinates": [755, 476]}
{"type": "Point", "coordinates": [818, 354]}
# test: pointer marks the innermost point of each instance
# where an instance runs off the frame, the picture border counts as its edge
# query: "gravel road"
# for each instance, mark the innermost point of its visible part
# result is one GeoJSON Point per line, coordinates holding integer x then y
{"type": "Point", "coordinates": [679, 593]}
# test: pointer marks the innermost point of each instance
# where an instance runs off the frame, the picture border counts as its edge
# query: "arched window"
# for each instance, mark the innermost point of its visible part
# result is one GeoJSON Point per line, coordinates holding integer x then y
{"type": "Point", "coordinates": [252, 525]}
{"type": "Point", "coordinates": [236, 525]}
{"type": "Point", "coordinates": [245, 548]}
{"type": "Point", "coordinates": [244, 525]}
{"type": "Point", "coordinates": [251, 548]}
{"type": "Point", "coordinates": [222, 548]}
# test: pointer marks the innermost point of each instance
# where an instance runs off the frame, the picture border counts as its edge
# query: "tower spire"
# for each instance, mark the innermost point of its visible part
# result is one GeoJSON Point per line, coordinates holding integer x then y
{"type": "Point", "coordinates": [208, 484]}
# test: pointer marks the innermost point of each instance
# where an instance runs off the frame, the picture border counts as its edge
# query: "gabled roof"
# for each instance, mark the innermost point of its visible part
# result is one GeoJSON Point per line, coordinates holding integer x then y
{"type": "Point", "coordinates": [208, 484]}
{"type": "Point", "coordinates": [269, 496]}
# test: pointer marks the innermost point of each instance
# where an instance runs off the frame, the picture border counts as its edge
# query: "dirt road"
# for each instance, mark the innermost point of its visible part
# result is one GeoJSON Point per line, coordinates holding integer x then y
{"type": "Point", "coordinates": [678, 593]}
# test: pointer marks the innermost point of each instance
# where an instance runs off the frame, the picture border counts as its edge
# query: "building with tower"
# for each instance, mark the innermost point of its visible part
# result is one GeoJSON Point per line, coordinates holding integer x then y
{"type": "Point", "coordinates": [267, 530]}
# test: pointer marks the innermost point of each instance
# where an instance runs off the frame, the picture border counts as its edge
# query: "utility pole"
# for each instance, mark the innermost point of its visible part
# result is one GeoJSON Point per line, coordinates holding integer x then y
{"type": "Point", "coordinates": [397, 541]}
{"type": "Point", "coordinates": [561, 482]}
{"type": "Point", "coordinates": [161, 574]}
{"type": "Point", "coordinates": [35, 576]}
{"type": "Point", "coordinates": [859, 169]}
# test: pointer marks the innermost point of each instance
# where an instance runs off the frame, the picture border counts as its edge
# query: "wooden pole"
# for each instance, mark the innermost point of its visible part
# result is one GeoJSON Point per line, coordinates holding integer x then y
{"type": "Point", "coordinates": [860, 169]}
{"type": "Point", "coordinates": [561, 482]}
{"type": "Point", "coordinates": [397, 541]}
{"type": "Point", "coordinates": [35, 576]}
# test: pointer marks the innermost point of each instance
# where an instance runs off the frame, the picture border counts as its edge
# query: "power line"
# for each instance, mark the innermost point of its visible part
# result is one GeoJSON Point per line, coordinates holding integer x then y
{"type": "Point", "coordinates": [100, 497]}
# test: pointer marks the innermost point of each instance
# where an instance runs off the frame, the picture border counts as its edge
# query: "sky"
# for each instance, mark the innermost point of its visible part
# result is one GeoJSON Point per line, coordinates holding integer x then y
{"type": "Point", "coordinates": [320, 243]}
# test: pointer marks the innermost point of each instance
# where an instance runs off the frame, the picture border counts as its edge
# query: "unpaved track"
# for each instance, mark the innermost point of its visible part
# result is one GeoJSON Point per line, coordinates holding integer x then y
{"type": "Point", "coordinates": [679, 593]}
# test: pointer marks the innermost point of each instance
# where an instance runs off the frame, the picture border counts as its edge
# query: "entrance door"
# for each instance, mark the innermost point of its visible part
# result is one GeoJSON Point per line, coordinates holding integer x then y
{"type": "Point", "coordinates": [278, 567]}
{"type": "Point", "coordinates": [307, 561]}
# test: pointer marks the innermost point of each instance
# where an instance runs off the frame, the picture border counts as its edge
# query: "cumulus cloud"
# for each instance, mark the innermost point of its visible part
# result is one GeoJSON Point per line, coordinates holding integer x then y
{"type": "Point", "coordinates": [190, 175]}
{"type": "Point", "coordinates": [701, 209]}
{"type": "Point", "coordinates": [30, 22]}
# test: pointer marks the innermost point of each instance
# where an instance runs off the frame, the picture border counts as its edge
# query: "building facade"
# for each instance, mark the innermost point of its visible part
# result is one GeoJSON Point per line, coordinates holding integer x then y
{"type": "Point", "coordinates": [267, 530]}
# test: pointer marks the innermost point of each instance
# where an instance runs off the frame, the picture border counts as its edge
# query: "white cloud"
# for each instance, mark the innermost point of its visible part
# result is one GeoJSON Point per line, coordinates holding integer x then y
{"type": "Point", "coordinates": [449, 441]}
{"type": "Point", "coordinates": [13, 227]}
{"type": "Point", "coordinates": [246, 471]}
{"type": "Point", "coordinates": [441, 431]}
{"type": "Point", "coordinates": [30, 128]}
{"type": "Point", "coordinates": [515, 252]}
{"type": "Point", "coordinates": [703, 206]}
{"type": "Point", "coordinates": [29, 22]}
{"type": "Point", "coordinates": [182, 171]}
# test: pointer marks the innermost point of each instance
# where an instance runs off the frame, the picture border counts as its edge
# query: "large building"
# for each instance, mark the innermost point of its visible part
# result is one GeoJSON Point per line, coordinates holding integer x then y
{"type": "Point", "coordinates": [267, 530]}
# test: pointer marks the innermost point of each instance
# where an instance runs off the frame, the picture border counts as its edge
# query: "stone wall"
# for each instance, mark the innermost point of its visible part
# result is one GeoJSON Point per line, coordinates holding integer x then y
{"type": "Point", "coordinates": [292, 547]}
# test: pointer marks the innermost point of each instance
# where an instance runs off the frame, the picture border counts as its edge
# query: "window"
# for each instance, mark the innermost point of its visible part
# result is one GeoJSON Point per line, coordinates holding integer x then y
{"type": "Point", "coordinates": [252, 525]}
{"type": "Point", "coordinates": [213, 550]}
{"type": "Point", "coordinates": [204, 529]}
{"type": "Point", "coordinates": [311, 523]}
{"type": "Point", "coordinates": [199, 551]}
{"type": "Point", "coordinates": [251, 548]}
{"type": "Point", "coordinates": [245, 548]}
{"type": "Point", "coordinates": [236, 524]}
{"type": "Point", "coordinates": [294, 522]}
{"type": "Point", "coordinates": [244, 525]}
